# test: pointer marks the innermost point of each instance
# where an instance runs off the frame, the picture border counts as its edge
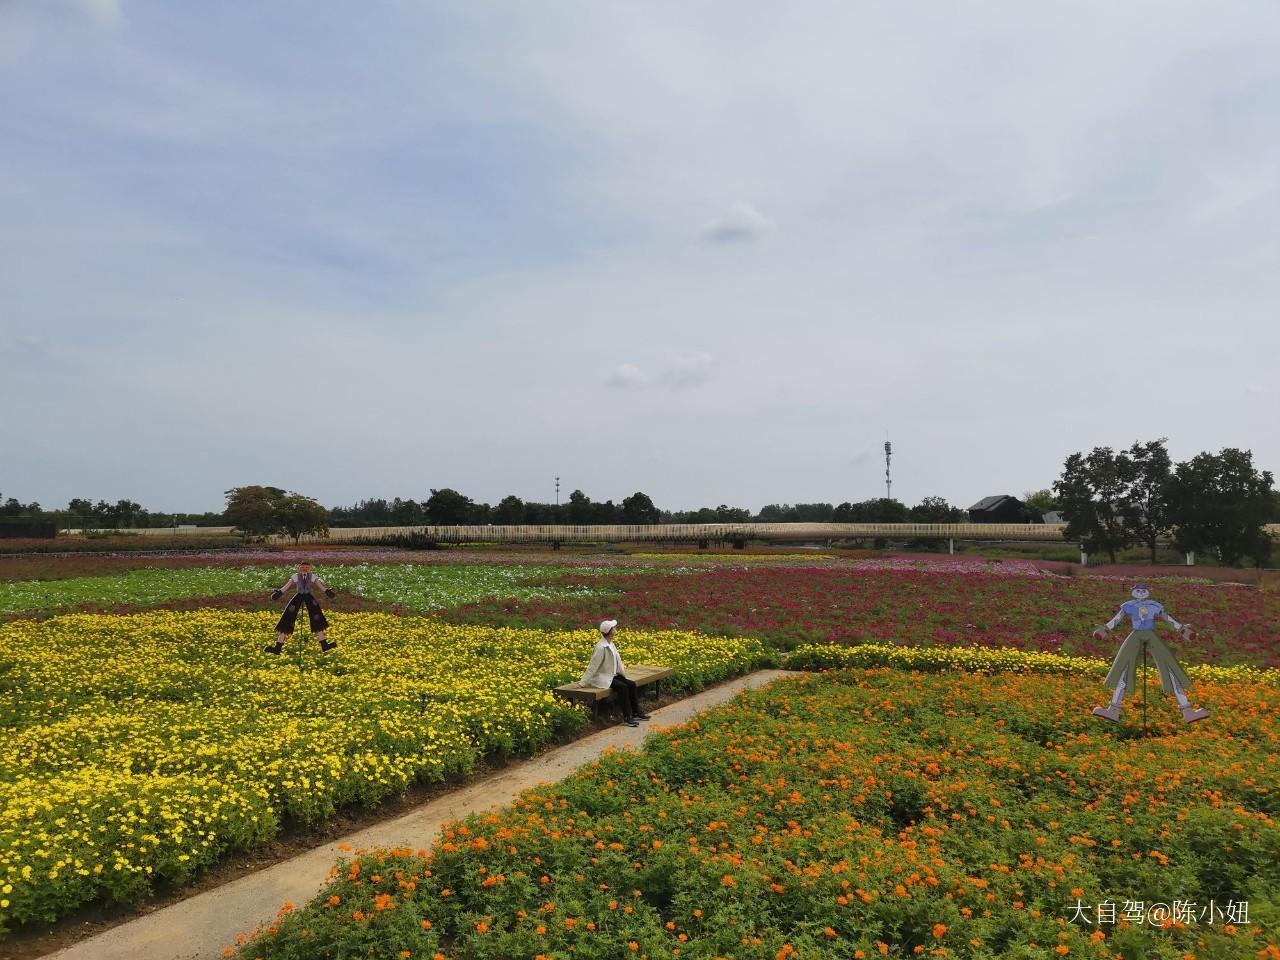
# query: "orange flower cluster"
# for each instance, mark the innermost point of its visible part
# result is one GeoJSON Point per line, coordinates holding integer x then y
{"type": "Point", "coordinates": [860, 814]}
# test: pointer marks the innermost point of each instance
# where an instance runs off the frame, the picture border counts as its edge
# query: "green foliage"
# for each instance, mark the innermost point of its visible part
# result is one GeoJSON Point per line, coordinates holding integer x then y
{"type": "Point", "coordinates": [415, 586]}
{"type": "Point", "coordinates": [638, 508]}
{"type": "Point", "coordinates": [721, 514]}
{"type": "Point", "coordinates": [1146, 508]}
{"type": "Point", "coordinates": [1094, 491]}
{"type": "Point", "coordinates": [1220, 504]}
{"type": "Point", "coordinates": [298, 515]}
{"type": "Point", "coordinates": [1041, 502]}
{"type": "Point", "coordinates": [935, 510]}
{"type": "Point", "coordinates": [510, 511]}
{"type": "Point", "coordinates": [257, 512]}
{"type": "Point", "coordinates": [883, 510]}
{"type": "Point", "coordinates": [252, 510]}
{"type": "Point", "coordinates": [446, 507]}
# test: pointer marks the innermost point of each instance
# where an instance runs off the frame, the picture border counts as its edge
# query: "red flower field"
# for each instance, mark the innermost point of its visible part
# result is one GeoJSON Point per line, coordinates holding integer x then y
{"type": "Point", "coordinates": [849, 604]}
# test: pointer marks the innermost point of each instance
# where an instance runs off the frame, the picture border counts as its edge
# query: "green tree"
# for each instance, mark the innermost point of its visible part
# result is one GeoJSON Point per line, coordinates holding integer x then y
{"type": "Point", "coordinates": [1219, 503]}
{"type": "Point", "coordinates": [510, 511]}
{"type": "Point", "coordinates": [1041, 501]}
{"type": "Point", "coordinates": [252, 510]}
{"type": "Point", "coordinates": [1093, 493]}
{"type": "Point", "coordinates": [935, 510]}
{"type": "Point", "coordinates": [879, 510]}
{"type": "Point", "coordinates": [638, 508]}
{"type": "Point", "coordinates": [1146, 508]}
{"type": "Point", "coordinates": [579, 508]}
{"type": "Point", "coordinates": [446, 507]}
{"type": "Point", "coordinates": [297, 515]}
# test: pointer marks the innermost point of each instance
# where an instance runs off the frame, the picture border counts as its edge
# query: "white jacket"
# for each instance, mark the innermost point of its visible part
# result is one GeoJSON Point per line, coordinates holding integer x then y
{"type": "Point", "coordinates": [605, 663]}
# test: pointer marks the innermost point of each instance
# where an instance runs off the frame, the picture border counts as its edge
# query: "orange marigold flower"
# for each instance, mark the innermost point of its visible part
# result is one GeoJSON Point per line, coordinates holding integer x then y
{"type": "Point", "coordinates": [939, 929]}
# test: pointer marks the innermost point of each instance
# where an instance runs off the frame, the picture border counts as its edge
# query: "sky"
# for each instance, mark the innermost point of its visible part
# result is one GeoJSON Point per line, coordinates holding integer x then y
{"type": "Point", "coordinates": [716, 252]}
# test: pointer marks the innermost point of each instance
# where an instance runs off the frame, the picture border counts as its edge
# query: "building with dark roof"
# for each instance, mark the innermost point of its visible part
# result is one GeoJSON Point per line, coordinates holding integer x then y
{"type": "Point", "coordinates": [1002, 508]}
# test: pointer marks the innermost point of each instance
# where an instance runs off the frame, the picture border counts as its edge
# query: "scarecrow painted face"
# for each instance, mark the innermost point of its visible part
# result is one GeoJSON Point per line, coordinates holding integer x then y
{"type": "Point", "coordinates": [1140, 591]}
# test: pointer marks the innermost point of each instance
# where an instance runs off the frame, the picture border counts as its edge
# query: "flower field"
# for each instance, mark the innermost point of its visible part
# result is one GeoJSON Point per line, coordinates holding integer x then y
{"type": "Point", "coordinates": [860, 814]}
{"type": "Point", "coordinates": [417, 586]}
{"type": "Point", "coordinates": [1007, 606]}
{"type": "Point", "coordinates": [139, 749]}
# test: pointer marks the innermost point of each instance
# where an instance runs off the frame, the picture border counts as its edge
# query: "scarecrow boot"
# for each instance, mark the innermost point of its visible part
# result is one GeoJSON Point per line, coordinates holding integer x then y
{"type": "Point", "coordinates": [1112, 710]}
{"type": "Point", "coordinates": [325, 643]}
{"type": "Point", "coordinates": [1190, 714]}
{"type": "Point", "coordinates": [276, 648]}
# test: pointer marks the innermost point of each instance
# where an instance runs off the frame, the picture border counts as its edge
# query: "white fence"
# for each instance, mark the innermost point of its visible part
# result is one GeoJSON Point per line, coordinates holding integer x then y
{"type": "Point", "coordinates": [665, 532]}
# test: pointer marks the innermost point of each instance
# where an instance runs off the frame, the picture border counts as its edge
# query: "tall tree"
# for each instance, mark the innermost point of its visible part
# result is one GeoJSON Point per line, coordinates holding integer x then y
{"type": "Point", "coordinates": [579, 508]}
{"type": "Point", "coordinates": [879, 510]}
{"type": "Point", "coordinates": [1220, 503]}
{"type": "Point", "coordinates": [1146, 508]}
{"type": "Point", "coordinates": [298, 515]}
{"type": "Point", "coordinates": [638, 508]}
{"type": "Point", "coordinates": [510, 511]}
{"type": "Point", "coordinates": [252, 510]}
{"type": "Point", "coordinates": [446, 507]}
{"type": "Point", "coordinates": [1093, 491]}
{"type": "Point", "coordinates": [1041, 501]}
{"type": "Point", "coordinates": [935, 510]}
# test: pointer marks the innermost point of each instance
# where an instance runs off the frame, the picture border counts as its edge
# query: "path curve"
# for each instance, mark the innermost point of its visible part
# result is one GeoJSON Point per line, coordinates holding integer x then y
{"type": "Point", "coordinates": [202, 926]}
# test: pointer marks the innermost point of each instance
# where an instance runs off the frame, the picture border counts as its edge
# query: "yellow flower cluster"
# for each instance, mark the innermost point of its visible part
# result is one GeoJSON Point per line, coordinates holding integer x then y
{"type": "Point", "coordinates": [991, 660]}
{"type": "Point", "coordinates": [143, 747]}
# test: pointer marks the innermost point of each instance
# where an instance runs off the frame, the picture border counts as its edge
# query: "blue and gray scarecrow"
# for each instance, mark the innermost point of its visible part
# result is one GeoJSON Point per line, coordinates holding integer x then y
{"type": "Point", "coordinates": [1143, 612]}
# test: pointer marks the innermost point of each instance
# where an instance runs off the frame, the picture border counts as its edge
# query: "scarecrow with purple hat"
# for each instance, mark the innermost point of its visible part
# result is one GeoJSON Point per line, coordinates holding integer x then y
{"type": "Point", "coordinates": [1143, 612]}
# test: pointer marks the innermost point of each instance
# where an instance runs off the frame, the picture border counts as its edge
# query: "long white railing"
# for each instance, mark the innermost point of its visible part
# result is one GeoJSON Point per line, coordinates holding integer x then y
{"type": "Point", "coordinates": [668, 532]}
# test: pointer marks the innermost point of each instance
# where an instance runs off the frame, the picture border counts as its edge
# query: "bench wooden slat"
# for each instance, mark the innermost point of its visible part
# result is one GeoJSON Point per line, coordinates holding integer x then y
{"type": "Point", "coordinates": [642, 674]}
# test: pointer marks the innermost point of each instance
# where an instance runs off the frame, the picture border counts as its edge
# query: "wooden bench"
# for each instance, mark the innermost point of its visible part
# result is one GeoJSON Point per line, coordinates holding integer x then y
{"type": "Point", "coordinates": [643, 674]}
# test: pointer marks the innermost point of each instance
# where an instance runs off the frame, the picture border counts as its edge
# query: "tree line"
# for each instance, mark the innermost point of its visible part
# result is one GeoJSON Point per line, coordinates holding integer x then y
{"type": "Point", "coordinates": [1111, 500]}
{"type": "Point", "coordinates": [1216, 503]}
{"type": "Point", "coordinates": [258, 511]}
{"type": "Point", "coordinates": [83, 513]}
{"type": "Point", "coordinates": [448, 507]}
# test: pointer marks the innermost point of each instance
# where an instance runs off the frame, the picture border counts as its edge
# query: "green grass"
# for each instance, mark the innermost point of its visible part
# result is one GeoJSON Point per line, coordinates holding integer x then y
{"type": "Point", "coordinates": [416, 586]}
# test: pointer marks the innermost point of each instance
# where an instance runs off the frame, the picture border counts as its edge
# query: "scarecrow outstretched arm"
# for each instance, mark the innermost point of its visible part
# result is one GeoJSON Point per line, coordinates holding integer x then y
{"type": "Point", "coordinates": [1168, 617]}
{"type": "Point", "coordinates": [1115, 621]}
{"type": "Point", "coordinates": [278, 592]}
{"type": "Point", "coordinates": [328, 590]}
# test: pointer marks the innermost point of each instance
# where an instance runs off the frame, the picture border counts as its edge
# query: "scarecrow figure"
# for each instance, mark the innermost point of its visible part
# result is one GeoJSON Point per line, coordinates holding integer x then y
{"type": "Point", "coordinates": [1143, 612]}
{"type": "Point", "coordinates": [304, 581]}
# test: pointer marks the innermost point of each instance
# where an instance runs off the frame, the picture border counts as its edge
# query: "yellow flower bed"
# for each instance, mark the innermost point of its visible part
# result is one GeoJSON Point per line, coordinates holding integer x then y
{"type": "Point", "coordinates": [817, 656]}
{"type": "Point", "coordinates": [144, 747]}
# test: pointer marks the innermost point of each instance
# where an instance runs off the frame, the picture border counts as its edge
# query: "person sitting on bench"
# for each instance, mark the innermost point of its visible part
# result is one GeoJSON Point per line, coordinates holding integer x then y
{"type": "Point", "coordinates": [606, 670]}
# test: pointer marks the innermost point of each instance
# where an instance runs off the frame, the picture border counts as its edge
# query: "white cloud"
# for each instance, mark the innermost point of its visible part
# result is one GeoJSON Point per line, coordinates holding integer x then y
{"type": "Point", "coordinates": [742, 223]}
{"type": "Point", "coordinates": [104, 11]}
{"type": "Point", "coordinates": [686, 372]}
{"type": "Point", "coordinates": [626, 377]}
{"type": "Point", "coordinates": [683, 373]}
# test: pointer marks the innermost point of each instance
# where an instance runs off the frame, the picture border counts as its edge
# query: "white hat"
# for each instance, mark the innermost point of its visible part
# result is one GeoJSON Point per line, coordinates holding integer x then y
{"type": "Point", "coordinates": [607, 625]}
